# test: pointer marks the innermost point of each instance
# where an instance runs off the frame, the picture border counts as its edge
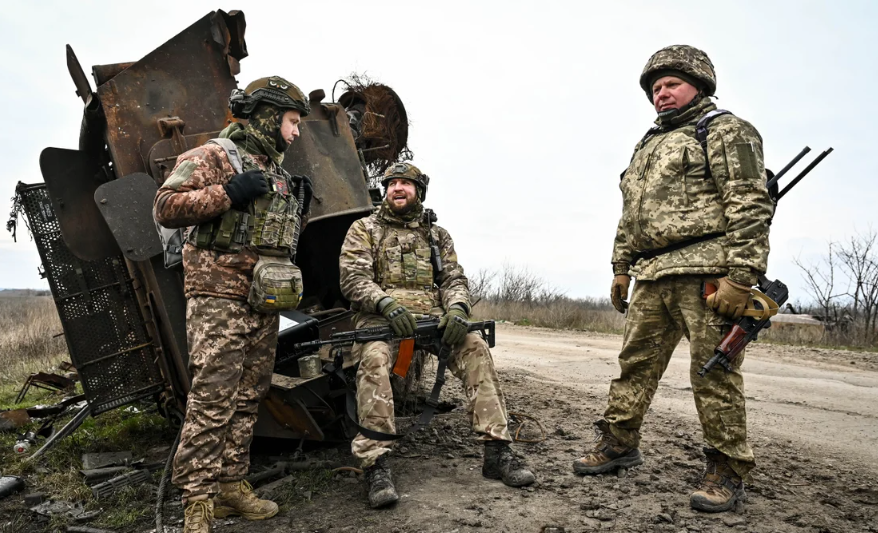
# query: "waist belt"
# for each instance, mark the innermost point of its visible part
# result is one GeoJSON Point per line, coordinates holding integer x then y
{"type": "Point", "coordinates": [649, 254]}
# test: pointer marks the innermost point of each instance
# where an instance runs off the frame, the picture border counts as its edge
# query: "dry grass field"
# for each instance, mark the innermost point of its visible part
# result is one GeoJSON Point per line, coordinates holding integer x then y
{"type": "Point", "coordinates": [30, 337]}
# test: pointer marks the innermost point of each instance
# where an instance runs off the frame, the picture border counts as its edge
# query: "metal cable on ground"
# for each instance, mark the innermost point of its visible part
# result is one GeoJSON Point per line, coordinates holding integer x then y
{"type": "Point", "coordinates": [523, 422]}
{"type": "Point", "coordinates": [166, 476]}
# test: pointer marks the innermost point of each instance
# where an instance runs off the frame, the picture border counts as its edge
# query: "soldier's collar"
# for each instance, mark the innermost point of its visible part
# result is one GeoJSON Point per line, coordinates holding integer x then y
{"type": "Point", "coordinates": [691, 112]}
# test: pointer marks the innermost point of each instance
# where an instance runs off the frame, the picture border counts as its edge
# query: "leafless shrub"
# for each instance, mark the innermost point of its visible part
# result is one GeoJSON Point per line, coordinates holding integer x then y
{"type": "Point", "coordinates": [515, 294]}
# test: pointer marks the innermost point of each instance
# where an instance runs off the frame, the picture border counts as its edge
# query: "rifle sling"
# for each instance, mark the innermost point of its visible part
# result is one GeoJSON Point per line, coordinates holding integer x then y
{"type": "Point", "coordinates": [649, 254]}
{"type": "Point", "coordinates": [427, 414]}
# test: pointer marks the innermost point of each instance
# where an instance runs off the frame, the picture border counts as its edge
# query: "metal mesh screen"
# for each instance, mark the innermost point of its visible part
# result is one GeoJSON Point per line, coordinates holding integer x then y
{"type": "Point", "coordinates": [106, 337]}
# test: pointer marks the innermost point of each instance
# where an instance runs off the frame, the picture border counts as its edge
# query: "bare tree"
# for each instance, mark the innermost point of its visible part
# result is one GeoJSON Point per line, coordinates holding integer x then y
{"type": "Point", "coordinates": [481, 283]}
{"type": "Point", "coordinates": [856, 257]}
{"type": "Point", "coordinates": [821, 281]}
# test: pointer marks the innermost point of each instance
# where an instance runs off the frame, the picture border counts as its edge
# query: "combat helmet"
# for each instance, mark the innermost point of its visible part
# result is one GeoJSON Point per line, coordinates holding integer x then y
{"type": "Point", "coordinates": [410, 172]}
{"type": "Point", "coordinates": [680, 58]}
{"type": "Point", "coordinates": [273, 90]}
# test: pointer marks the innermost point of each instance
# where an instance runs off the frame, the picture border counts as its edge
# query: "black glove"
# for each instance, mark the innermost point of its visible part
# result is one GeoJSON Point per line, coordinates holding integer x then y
{"type": "Point", "coordinates": [304, 181]}
{"type": "Point", "coordinates": [401, 319]}
{"type": "Point", "coordinates": [247, 186]}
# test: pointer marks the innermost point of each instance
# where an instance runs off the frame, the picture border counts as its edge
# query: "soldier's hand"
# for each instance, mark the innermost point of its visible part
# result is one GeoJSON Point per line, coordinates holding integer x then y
{"type": "Point", "coordinates": [619, 292]}
{"type": "Point", "coordinates": [730, 298]}
{"type": "Point", "coordinates": [455, 330]}
{"type": "Point", "coordinates": [402, 321]}
{"type": "Point", "coordinates": [247, 186]}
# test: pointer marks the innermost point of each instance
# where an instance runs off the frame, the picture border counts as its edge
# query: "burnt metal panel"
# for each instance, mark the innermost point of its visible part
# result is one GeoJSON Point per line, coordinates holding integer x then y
{"type": "Point", "coordinates": [102, 322]}
{"type": "Point", "coordinates": [126, 205]}
{"type": "Point", "coordinates": [190, 77]}
{"type": "Point", "coordinates": [326, 153]}
{"type": "Point", "coordinates": [72, 176]}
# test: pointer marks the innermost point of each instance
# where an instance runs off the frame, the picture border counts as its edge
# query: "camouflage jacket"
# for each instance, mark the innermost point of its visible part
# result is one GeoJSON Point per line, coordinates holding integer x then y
{"type": "Point", "coordinates": [383, 255]}
{"type": "Point", "coordinates": [193, 194]}
{"type": "Point", "coordinates": [667, 200]}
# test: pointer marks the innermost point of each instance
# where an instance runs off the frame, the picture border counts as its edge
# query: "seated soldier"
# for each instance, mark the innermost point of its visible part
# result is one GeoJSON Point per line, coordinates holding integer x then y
{"type": "Point", "coordinates": [387, 274]}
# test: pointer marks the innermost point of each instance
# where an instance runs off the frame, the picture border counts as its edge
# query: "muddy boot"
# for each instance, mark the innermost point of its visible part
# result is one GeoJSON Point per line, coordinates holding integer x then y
{"type": "Point", "coordinates": [198, 516]}
{"type": "Point", "coordinates": [381, 489]}
{"type": "Point", "coordinates": [721, 488]}
{"type": "Point", "coordinates": [237, 499]}
{"type": "Point", "coordinates": [501, 463]}
{"type": "Point", "coordinates": [608, 453]}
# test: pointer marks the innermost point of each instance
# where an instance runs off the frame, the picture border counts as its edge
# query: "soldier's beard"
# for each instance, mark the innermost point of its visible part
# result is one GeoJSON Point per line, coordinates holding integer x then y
{"type": "Point", "coordinates": [404, 209]}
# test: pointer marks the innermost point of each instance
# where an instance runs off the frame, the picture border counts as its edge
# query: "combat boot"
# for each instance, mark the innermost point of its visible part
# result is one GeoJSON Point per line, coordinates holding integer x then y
{"type": "Point", "coordinates": [381, 489]}
{"type": "Point", "coordinates": [721, 487]}
{"type": "Point", "coordinates": [501, 463]}
{"type": "Point", "coordinates": [198, 516]}
{"type": "Point", "coordinates": [608, 453]}
{"type": "Point", "coordinates": [237, 499]}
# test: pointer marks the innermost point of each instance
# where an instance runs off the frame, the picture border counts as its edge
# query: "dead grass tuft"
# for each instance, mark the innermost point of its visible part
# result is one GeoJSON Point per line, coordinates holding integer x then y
{"type": "Point", "coordinates": [29, 339]}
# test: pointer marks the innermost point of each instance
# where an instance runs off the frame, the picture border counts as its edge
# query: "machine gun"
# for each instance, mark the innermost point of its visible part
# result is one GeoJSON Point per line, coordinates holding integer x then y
{"type": "Point", "coordinates": [427, 336]}
{"type": "Point", "coordinates": [769, 295]}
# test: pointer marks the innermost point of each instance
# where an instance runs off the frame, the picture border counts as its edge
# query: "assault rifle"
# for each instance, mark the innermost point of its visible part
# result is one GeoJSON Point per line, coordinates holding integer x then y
{"type": "Point", "coordinates": [768, 296]}
{"type": "Point", "coordinates": [427, 336]}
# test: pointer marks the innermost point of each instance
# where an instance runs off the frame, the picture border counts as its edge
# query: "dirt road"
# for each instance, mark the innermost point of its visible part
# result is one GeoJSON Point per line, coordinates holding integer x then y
{"type": "Point", "coordinates": [813, 422]}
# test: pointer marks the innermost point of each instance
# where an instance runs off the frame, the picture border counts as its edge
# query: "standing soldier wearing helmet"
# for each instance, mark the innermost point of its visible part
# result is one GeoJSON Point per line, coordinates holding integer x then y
{"type": "Point", "coordinates": [388, 275]}
{"type": "Point", "coordinates": [243, 217]}
{"type": "Point", "coordinates": [695, 209]}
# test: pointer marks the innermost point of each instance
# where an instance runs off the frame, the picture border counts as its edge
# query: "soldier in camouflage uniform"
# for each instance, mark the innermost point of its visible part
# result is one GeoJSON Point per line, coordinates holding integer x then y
{"type": "Point", "coordinates": [231, 347]}
{"type": "Point", "coordinates": [691, 213]}
{"type": "Point", "coordinates": [387, 275]}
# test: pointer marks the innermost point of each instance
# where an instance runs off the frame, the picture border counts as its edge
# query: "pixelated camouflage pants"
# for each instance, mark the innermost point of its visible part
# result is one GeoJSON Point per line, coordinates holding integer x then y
{"type": "Point", "coordinates": [470, 361]}
{"type": "Point", "coordinates": [661, 312]}
{"type": "Point", "coordinates": [231, 358]}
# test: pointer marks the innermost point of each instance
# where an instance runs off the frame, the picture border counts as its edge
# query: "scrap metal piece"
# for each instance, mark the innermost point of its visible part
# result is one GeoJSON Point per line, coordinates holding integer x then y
{"type": "Point", "coordinates": [69, 428]}
{"type": "Point", "coordinates": [91, 461]}
{"type": "Point", "coordinates": [45, 381]}
{"type": "Point", "coordinates": [13, 419]}
{"type": "Point", "coordinates": [83, 87]}
{"type": "Point", "coordinates": [379, 122]}
{"type": "Point", "coordinates": [99, 475]}
{"type": "Point", "coordinates": [10, 485]}
{"type": "Point", "coordinates": [126, 206]}
{"type": "Point", "coordinates": [97, 303]}
{"type": "Point", "coordinates": [190, 77]}
{"type": "Point", "coordinates": [72, 176]}
{"type": "Point", "coordinates": [107, 488]}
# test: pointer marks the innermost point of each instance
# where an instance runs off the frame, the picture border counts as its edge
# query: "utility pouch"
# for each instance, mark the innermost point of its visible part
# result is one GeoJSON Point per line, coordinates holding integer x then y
{"type": "Point", "coordinates": [172, 246]}
{"type": "Point", "coordinates": [277, 285]}
{"type": "Point", "coordinates": [230, 232]}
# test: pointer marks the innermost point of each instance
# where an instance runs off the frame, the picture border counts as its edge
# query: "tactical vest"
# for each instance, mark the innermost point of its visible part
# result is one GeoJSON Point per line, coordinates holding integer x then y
{"type": "Point", "coordinates": [403, 268]}
{"type": "Point", "coordinates": [269, 225]}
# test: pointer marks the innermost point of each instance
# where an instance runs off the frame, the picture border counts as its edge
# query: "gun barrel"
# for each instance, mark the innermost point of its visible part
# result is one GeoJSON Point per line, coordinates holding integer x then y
{"type": "Point", "coordinates": [804, 173]}
{"type": "Point", "coordinates": [773, 181]}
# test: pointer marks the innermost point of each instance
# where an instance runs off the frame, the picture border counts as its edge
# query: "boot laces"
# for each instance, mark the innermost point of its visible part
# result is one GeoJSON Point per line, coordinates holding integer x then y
{"type": "Point", "coordinates": [378, 473]}
{"type": "Point", "coordinates": [715, 478]}
{"type": "Point", "coordinates": [197, 512]}
{"type": "Point", "coordinates": [508, 458]}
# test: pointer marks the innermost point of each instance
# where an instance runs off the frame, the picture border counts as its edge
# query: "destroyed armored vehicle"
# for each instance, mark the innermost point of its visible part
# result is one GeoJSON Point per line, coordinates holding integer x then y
{"type": "Point", "coordinates": [122, 311]}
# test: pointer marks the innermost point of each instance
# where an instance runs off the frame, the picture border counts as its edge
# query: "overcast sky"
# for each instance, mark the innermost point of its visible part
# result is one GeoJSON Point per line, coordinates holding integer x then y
{"type": "Point", "coordinates": [522, 113]}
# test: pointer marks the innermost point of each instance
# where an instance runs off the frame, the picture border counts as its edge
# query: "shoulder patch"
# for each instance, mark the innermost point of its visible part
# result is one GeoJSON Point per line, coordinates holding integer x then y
{"type": "Point", "coordinates": [180, 175]}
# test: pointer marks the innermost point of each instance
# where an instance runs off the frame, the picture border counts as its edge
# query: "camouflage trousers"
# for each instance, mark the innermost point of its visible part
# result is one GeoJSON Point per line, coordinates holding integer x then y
{"type": "Point", "coordinates": [661, 312]}
{"type": "Point", "coordinates": [231, 358]}
{"type": "Point", "coordinates": [470, 361]}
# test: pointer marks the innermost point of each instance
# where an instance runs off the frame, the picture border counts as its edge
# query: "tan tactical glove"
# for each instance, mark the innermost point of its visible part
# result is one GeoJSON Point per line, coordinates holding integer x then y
{"type": "Point", "coordinates": [619, 292]}
{"type": "Point", "coordinates": [730, 298]}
